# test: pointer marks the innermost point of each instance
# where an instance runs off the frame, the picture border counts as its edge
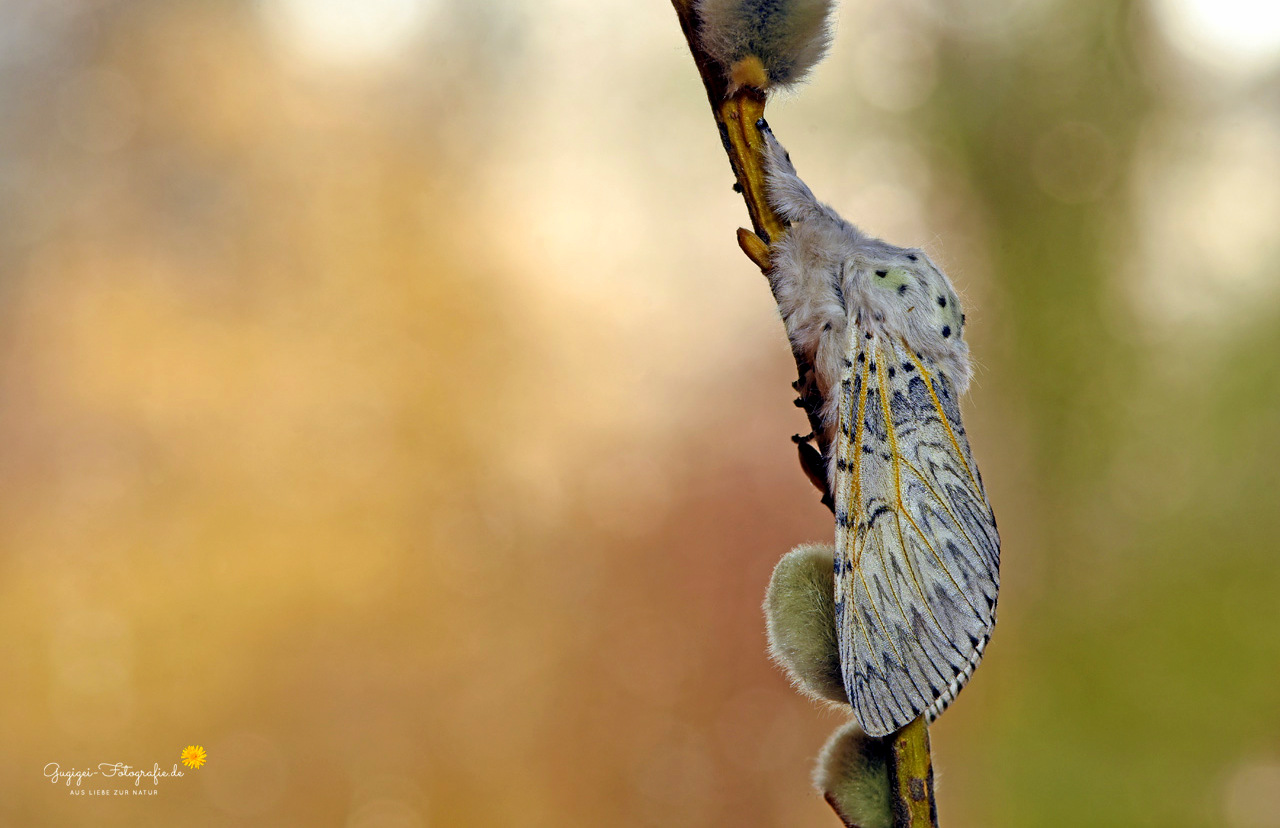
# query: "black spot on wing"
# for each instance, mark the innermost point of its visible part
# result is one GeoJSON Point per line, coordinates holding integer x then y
{"type": "Point", "coordinates": [911, 406]}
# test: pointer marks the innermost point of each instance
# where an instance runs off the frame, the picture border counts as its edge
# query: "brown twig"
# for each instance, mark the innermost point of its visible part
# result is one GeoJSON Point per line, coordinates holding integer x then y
{"type": "Point", "coordinates": [911, 777]}
{"type": "Point", "coordinates": [737, 117]}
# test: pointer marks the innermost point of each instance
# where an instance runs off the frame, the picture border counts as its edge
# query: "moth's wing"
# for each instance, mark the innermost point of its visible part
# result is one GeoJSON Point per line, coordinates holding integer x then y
{"type": "Point", "coordinates": [917, 552]}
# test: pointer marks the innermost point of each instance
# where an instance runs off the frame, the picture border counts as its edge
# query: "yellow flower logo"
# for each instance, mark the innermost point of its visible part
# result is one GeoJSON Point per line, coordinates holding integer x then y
{"type": "Point", "coordinates": [193, 756]}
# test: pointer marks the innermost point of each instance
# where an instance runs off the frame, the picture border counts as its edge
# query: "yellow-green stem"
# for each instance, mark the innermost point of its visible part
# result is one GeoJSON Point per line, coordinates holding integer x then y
{"type": "Point", "coordinates": [911, 777]}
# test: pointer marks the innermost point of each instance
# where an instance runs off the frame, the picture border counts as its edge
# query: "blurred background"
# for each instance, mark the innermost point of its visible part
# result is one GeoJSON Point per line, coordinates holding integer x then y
{"type": "Point", "coordinates": [388, 409]}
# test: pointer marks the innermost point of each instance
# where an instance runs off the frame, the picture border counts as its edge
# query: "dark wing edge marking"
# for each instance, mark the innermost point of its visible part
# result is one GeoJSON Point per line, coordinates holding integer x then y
{"type": "Point", "coordinates": [957, 684]}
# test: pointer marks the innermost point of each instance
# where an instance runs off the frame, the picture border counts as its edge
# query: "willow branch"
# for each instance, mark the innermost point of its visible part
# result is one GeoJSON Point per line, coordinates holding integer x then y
{"type": "Point", "coordinates": [738, 118]}
{"type": "Point", "coordinates": [911, 777]}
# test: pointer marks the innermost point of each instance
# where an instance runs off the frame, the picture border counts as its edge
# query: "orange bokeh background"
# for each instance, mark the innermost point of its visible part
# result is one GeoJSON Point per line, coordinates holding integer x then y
{"type": "Point", "coordinates": [388, 410]}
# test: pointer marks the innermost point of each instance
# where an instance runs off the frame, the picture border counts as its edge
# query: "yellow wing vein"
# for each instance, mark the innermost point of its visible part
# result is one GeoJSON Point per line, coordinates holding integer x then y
{"type": "Point", "coordinates": [942, 417]}
{"type": "Point", "coordinates": [855, 468]}
{"type": "Point", "coordinates": [858, 621]}
{"type": "Point", "coordinates": [895, 455]}
{"type": "Point", "coordinates": [941, 564]}
{"type": "Point", "coordinates": [897, 599]}
{"type": "Point", "coordinates": [872, 603]}
{"type": "Point", "coordinates": [852, 442]}
{"type": "Point", "coordinates": [941, 501]}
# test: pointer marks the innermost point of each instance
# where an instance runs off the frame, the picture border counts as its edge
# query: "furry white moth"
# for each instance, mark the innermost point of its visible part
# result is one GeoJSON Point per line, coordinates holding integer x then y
{"type": "Point", "coordinates": [764, 43]}
{"type": "Point", "coordinates": [917, 553]}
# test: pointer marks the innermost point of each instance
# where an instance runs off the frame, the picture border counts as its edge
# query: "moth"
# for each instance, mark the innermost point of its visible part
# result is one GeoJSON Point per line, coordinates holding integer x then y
{"type": "Point", "coordinates": [917, 560]}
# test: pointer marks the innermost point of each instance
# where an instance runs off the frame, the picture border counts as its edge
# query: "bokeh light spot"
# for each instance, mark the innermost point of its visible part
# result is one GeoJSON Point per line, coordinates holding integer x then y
{"type": "Point", "coordinates": [1252, 796]}
{"type": "Point", "coordinates": [1237, 37]}
{"type": "Point", "coordinates": [346, 33]}
{"type": "Point", "coordinates": [1207, 221]}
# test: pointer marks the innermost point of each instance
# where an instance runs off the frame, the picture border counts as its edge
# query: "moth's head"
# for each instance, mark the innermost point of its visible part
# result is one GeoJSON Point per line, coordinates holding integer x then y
{"type": "Point", "coordinates": [918, 290]}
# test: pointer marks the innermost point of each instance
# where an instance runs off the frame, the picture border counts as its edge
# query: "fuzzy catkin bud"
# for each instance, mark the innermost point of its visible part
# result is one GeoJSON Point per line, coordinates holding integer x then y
{"type": "Point", "coordinates": [853, 774]}
{"type": "Point", "coordinates": [801, 618]}
{"type": "Point", "coordinates": [764, 43]}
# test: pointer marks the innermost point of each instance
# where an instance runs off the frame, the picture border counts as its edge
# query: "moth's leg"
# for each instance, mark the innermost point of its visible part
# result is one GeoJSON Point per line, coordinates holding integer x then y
{"type": "Point", "coordinates": [790, 197]}
{"type": "Point", "coordinates": [815, 468]}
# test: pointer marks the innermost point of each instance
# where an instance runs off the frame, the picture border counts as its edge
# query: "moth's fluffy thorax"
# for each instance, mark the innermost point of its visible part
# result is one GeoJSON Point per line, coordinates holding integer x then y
{"type": "Point", "coordinates": [833, 282]}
